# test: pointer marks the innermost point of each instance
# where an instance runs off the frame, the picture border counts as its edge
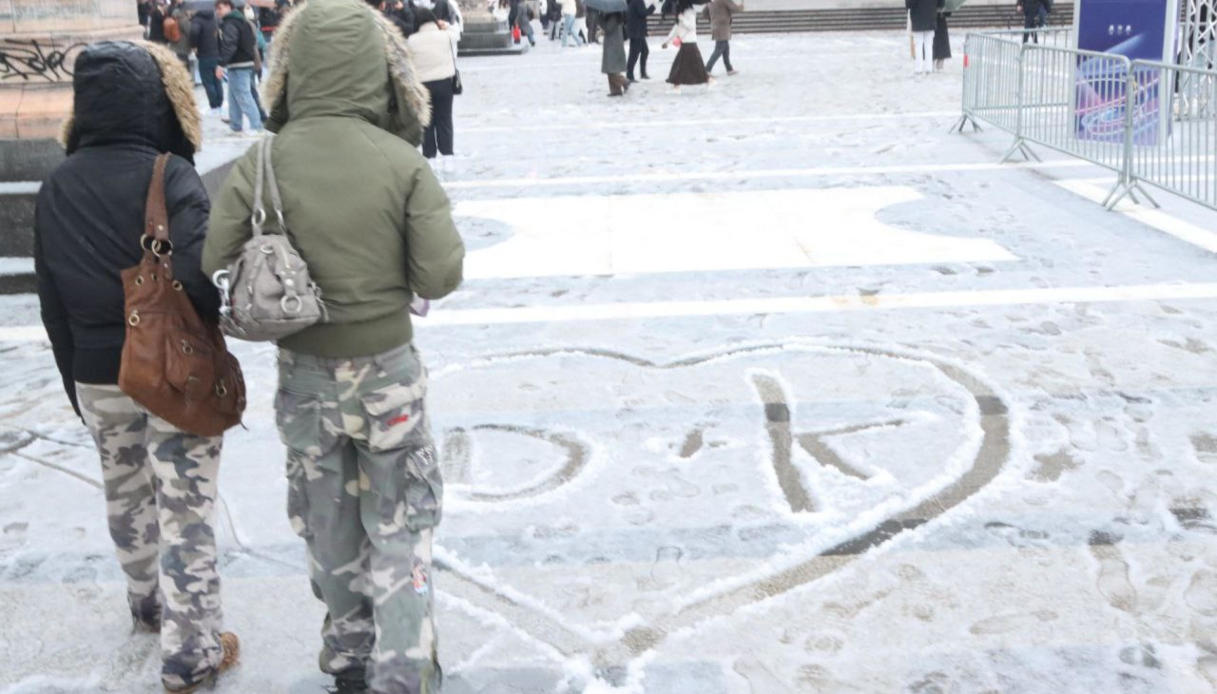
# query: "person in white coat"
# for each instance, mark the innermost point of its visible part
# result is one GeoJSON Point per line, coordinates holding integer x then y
{"type": "Point", "coordinates": [434, 52]}
{"type": "Point", "coordinates": [570, 10]}
{"type": "Point", "coordinates": [688, 67]}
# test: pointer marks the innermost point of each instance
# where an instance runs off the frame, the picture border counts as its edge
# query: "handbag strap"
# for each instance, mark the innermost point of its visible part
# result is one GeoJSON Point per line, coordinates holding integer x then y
{"type": "Point", "coordinates": [156, 215]}
{"type": "Point", "coordinates": [264, 180]}
{"type": "Point", "coordinates": [275, 201]}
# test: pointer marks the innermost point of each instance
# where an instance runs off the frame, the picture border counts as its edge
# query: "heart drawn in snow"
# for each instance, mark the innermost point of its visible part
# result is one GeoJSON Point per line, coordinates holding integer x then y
{"type": "Point", "coordinates": [618, 500]}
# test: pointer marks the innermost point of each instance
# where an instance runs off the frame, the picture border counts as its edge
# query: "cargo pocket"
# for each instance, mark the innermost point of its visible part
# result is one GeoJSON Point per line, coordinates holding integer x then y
{"type": "Point", "coordinates": [395, 417]}
{"type": "Point", "coordinates": [412, 497]}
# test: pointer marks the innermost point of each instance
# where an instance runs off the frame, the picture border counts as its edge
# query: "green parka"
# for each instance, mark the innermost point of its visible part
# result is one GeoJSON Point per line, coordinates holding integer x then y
{"type": "Point", "coordinates": [363, 207]}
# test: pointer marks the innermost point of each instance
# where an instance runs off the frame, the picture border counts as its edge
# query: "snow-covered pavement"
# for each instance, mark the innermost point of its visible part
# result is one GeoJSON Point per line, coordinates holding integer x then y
{"type": "Point", "coordinates": [775, 387]}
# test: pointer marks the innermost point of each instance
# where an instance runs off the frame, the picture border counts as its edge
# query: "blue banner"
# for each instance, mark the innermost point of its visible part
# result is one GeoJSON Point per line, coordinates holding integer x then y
{"type": "Point", "coordinates": [1138, 30]}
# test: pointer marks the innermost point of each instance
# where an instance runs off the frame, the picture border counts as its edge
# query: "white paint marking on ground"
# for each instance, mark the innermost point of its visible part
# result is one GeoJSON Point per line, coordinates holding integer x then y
{"type": "Point", "coordinates": [1162, 221]}
{"type": "Point", "coordinates": [778, 305]}
{"type": "Point", "coordinates": [817, 304]}
{"type": "Point", "coordinates": [19, 187]}
{"type": "Point", "coordinates": [716, 122]}
{"type": "Point", "coordinates": [707, 232]}
{"type": "Point", "coordinates": [760, 173]}
{"type": "Point", "coordinates": [16, 266]}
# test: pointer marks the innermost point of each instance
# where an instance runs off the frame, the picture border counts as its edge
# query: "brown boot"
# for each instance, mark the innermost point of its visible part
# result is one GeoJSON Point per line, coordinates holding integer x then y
{"type": "Point", "coordinates": [615, 85]}
{"type": "Point", "coordinates": [231, 646]}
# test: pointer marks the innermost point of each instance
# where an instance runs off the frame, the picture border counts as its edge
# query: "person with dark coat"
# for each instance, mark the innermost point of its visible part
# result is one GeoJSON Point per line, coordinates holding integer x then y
{"type": "Point", "coordinates": [924, 16]}
{"type": "Point", "coordinates": [721, 13]}
{"type": "Point", "coordinates": [143, 8]}
{"type": "Point", "coordinates": [205, 40]}
{"type": "Point", "coordinates": [238, 57]}
{"type": "Point", "coordinates": [942, 41]}
{"type": "Point", "coordinates": [612, 61]}
{"type": "Point", "coordinates": [133, 102]}
{"type": "Point", "coordinates": [1035, 15]}
{"type": "Point", "coordinates": [156, 22]}
{"type": "Point", "coordinates": [637, 28]}
{"type": "Point", "coordinates": [519, 17]}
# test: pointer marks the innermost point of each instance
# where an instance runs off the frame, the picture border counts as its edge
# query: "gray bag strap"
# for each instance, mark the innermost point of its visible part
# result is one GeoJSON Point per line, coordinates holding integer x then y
{"type": "Point", "coordinates": [275, 200]}
{"type": "Point", "coordinates": [264, 178]}
{"type": "Point", "coordinates": [259, 214]}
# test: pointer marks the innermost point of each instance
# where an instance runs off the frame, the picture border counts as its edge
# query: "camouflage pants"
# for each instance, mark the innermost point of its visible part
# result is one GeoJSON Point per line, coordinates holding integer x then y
{"type": "Point", "coordinates": [160, 485]}
{"type": "Point", "coordinates": [364, 492]}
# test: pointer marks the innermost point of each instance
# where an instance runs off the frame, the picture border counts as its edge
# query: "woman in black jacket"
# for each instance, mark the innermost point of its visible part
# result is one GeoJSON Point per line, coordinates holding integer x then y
{"type": "Point", "coordinates": [924, 16]}
{"type": "Point", "coordinates": [134, 101]}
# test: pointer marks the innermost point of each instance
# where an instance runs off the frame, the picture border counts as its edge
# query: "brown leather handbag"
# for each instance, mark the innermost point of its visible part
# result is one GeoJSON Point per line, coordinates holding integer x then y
{"type": "Point", "coordinates": [174, 363]}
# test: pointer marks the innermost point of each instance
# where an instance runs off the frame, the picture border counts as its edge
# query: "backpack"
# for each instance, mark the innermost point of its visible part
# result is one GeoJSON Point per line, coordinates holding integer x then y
{"type": "Point", "coordinates": [173, 31]}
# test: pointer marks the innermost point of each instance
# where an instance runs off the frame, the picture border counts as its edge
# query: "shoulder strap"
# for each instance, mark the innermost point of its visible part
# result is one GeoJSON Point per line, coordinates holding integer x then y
{"type": "Point", "coordinates": [259, 213]}
{"type": "Point", "coordinates": [273, 185]}
{"type": "Point", "coordinates": [156, 216]}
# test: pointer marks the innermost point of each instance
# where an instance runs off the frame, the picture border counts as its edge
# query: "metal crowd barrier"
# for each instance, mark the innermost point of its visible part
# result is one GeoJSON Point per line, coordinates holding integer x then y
{"type": "Point", "coordinates": [1098, 107]}
{"type": "Point", "coordinates": [1184, 160]}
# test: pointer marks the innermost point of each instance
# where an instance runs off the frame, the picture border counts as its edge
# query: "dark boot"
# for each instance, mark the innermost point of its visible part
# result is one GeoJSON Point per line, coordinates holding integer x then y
{"type": "Point", "coordinates": [615, 88]}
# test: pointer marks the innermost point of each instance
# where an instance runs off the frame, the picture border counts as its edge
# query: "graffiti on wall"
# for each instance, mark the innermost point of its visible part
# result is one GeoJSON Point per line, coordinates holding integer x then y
{"type": "Point", "coordinates": [28, 60]}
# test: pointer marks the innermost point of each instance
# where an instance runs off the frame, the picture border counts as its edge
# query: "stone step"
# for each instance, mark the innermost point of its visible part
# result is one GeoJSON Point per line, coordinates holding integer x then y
{"type": "Point", "coordinates": [867, 18]}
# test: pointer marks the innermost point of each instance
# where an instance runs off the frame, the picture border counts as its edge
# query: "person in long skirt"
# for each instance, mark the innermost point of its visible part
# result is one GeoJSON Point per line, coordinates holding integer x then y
{"type": "Point", "coordinates": [613, 61]}
{"type": "Point", "coordinates": [688, 67]}
{"type": "Point", "coordinates": [942, 41]}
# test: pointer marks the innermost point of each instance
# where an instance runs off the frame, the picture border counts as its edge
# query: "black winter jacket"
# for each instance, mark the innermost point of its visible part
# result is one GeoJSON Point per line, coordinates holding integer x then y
{"type": "Point", "coordinates": [156, 25]}
{"type": "Point", "coordinates": [90, 212]}
{"type": "Point", "coordinates": [205, 34]}
{"type": "Point", "coordinates": [924, 13]}
{"type": "Point", "coordinates": [636, 23]}
{"type": "Point", "coordinates": [238, 45]}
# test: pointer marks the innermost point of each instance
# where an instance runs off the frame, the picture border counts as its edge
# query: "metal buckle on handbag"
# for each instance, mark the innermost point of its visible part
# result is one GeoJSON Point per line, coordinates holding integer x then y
{"type": "Point", "coordinates": [156, 246]}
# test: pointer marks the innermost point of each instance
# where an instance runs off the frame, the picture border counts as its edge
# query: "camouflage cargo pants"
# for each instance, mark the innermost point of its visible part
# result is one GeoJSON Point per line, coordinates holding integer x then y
{"type": "Point", "coordinates": [160, 485]}
{"type": "Point", "coordinates": [364, 492]}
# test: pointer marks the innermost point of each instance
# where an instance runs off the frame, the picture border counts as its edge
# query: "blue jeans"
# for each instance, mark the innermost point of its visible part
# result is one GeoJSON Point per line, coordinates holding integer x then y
{"type": "Point", "coordinates": [568, 30]}
{"type": "Point", "coordinates": [241, 99]}
{"type": "Point", "coordinates": [213, 86]}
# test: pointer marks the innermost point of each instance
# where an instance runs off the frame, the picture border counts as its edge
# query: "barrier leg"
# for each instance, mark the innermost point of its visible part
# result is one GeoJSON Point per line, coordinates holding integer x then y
{"type": "Point", "coordinates": [1020, 147]}
{"type": "Point", "coordinates": [963, 122]}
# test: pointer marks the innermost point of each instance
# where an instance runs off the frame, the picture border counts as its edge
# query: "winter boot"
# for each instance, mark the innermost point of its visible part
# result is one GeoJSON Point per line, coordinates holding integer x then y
{"type": "Point", "coordinates": [231, 646]}
{"type": "Point", "coordinates": [615, 88]}
{"type": "Point", "coordinates": [350, 683]}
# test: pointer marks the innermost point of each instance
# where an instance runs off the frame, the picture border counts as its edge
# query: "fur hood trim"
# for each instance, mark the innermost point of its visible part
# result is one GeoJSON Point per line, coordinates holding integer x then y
{"type": "Point", "coordinates": [407, 88]}
{"type": "Point", "coordinates": [179, 89]}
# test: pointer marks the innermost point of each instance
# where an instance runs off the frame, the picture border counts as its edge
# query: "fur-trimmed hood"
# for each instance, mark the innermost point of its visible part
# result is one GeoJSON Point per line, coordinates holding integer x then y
{"type": "Point", "coordinates": [343, 58]}
{"type": "Point", "coordinates": [133, 92]}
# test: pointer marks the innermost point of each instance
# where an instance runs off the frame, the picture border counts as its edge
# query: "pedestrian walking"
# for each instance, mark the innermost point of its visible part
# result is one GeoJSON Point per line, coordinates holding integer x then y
{"type": "Point", "coordinates": [612, 60]}
{"type": "Point", "coordinates": [205, 40]}
{"type": "Point", "coordinates": [364, 486]}
{"type": "Point", "coordinates": [180, 41]}
{"type": "Point", "coordinates": [134, 101]}
{"type": "Point", "coordinates": [520, 17]}
{"type": "Point", "coordinates": [435, 62]}
{"type": "Point", "coordinates": [1035, 16]}
{"type": "Point", "coordinates": [637, 28]}
{"type": "Point", "coordinates": [570, 11]}
{"type": "Point", "coordinates": [156, 22]}
{"type": "Point", "coordinates": [942, 41]}
{"type": "Point", "coordinates": [238, 58]}
{"type": "Point", "coordinates": [924, 17]}
{"type": "Point", "coordinates": [688, 67]}
{"type": "Point", "coordinates": [721, 14]}
{"type": "Point", "coordinates": [592, 20]}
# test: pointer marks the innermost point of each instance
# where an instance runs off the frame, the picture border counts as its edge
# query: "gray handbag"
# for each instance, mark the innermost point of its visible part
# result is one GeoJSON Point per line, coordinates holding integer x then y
{"type": "Point", "coordinates": [266, 293]}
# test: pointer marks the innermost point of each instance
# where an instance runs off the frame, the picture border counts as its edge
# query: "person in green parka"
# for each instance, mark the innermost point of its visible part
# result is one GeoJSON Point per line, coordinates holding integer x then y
{"type": "Point", "coordinates": [375, 227]}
